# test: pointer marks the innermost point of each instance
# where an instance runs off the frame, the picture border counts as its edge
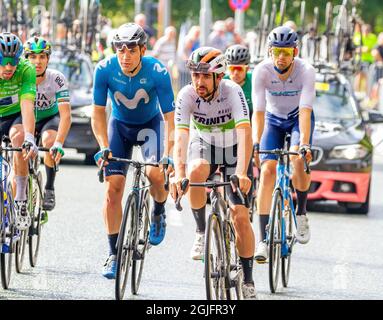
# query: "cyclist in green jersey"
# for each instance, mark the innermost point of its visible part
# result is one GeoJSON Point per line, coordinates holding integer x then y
{"type": "Point", "coordinates": [52, 111]}
{"type": "Point", "coordinates": [238, 60]}
{"type": "Point", "coordinates": [17, 95]}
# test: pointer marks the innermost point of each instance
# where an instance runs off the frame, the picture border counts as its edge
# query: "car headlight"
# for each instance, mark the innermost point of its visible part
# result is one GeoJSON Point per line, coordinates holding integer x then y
{"type": "Point", "coordinates": [352, 152]}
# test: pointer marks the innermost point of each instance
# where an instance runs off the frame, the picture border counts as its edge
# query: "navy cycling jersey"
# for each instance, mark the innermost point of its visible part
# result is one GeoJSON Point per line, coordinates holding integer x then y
{"type": "Point", "coordinates": [138, 99]}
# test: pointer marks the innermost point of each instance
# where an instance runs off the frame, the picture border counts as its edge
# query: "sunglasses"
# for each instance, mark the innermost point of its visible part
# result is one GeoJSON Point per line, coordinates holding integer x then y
{"type": "Point", "coordinates": [238, 68]}
{"type": "Point", "coordinates": [120, 45]}
{"type": "Point", "coordinates": [9, 60]}
{"type": "Point", "coordinates": [33, 46]}
{"type": "Point", "coordinates": [286, 52]}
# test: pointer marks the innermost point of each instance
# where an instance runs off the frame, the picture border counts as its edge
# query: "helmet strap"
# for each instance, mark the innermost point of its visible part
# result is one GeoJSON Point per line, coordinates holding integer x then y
{"type": "Point", "coordinates": [134, 70]}
{"type": "Point", "coordinates": [282, 72]}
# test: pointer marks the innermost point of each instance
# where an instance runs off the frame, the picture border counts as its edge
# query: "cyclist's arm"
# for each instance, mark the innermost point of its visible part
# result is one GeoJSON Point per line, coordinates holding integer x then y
{"type": "Point", "coordinates": [306, 105]}
{"type": "Point", "coordinates": [99, 126]}
{"type": "Point", "coordinates": [259, 103]}
{"type": "Point", "coordinates": [27, 100]}
{"type": "Point", "coordinates": [182, 125]}
{"type": "Point", "coordinates": [166, 98]}
{"type": "Point", "coordinates": [63, 101]}
{"type": "Point", "coordinates": [245, 148]}
{"type": "Point", "coordinates": [99, 116]}
{"type": "Point", "coordinates": [65, 122]}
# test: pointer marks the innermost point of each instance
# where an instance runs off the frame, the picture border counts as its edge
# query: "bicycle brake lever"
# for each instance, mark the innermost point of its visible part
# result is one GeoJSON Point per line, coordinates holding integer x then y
{"type": "Point", "coordinates": [184, 185]}
{"type": "Point", "coordinates": [235, 182]}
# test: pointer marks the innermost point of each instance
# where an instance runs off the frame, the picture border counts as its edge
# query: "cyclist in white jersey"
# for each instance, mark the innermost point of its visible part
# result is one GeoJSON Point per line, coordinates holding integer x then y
{"type": "Point", "coordinates": [52, 111]}
{"type": "Point", "coordinates": [283, 97]}
{"type": "Point", "coordinates": [221, 130]}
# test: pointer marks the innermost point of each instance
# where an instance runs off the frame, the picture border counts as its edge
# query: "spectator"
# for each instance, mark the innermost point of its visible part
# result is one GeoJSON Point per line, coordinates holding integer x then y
{"type": "Point", "coordinates": [140, 19]}
{"type": "Point", "coordinates": [369, 41]}
{"type": "Point", "coordinates": [314, 47]}
{"type": "Point", "coordinates": [232, 37]}
{"type": "Point", "coordinates": [377, 52]}
{"type": "Point", "coordinates": [165, 48]}
{"type": "Point", "coordinates": [217, 39]}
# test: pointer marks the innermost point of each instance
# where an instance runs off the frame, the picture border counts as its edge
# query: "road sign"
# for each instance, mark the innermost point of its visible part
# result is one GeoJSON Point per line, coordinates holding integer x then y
{"type": "Point", "coordinates": [239, 4]}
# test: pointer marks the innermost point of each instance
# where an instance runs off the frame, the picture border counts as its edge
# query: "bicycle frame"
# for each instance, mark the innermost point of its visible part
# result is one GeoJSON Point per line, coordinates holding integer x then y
{"type": "Point", "coordinates": [283, 184]}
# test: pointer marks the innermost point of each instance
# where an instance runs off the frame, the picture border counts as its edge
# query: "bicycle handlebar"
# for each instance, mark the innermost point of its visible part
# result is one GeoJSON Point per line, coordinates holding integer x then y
{"type": "Point", "coordinates": [282, 153]}
{"type": "Point", "coordinates": [234, 183]}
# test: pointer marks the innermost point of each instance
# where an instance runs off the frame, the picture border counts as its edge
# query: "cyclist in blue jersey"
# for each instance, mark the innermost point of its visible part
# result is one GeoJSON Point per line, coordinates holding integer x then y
{"type": "Point", "coordinates": [142, 114]}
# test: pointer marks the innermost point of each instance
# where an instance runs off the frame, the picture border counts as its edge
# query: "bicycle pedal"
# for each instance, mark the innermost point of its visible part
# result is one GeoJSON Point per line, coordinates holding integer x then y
{"type": "Point", "coordinates": [137, 256]}
{"type": "Point", "coordinates": [141, 242]}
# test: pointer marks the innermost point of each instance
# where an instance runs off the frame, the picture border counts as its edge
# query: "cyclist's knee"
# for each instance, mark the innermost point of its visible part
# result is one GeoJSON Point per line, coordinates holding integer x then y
{"type": "Point", "coordinates": [17, 136]}
{"type": "Point", "coordinates": [268, 172]}
{"type": "Point", "coordinates": [48, 139]}
{"type": "Point", "coordinates": [156, 178]}
{"type": "Point", "coordinates": [199, 171]}
{"type": "Point", "coordinates": [115, 189]}
{"type": "Point", "coordinates": [240, 217]}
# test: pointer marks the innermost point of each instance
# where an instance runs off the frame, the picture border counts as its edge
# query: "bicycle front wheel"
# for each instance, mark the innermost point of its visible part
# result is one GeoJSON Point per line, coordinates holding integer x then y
{"type": "Point", "coordinates": [142, 242]}
{"type": "Point", "coordinates": [275, 236]}
{"type": "Point", "coordinates": [125, 246]}
{"type": "Point", "coordinates": [290, 240]}
{"type": "Point", "coordinates": [215, 278]}
{"type": "Point", "coordinates": [6, 235]}
{"type": "Point", "coordinates": [35, 207]}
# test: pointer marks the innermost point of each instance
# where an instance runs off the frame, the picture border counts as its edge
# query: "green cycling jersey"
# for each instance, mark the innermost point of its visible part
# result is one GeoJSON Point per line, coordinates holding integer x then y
{"type": "Point", "coordinates": [22, 86]}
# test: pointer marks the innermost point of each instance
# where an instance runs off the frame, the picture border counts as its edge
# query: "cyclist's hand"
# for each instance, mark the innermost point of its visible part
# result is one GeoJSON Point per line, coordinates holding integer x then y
{"type": "Point", "coordinates": [306, 149]}
{"type": "Point", "coordinates": [166, 160]}
{"type": "Point", "coordinates": [57, 152]}
{"type": "Point", "coordinates": [99, 157]}
{"type": "Point", "coordinates": [257, 162]}
{"type": "Point", "coordinates": [244, 183]}
{"type": "Point", "coordinates": [30, 146]}
{"type": "Point", "coordinates": [175, 187]}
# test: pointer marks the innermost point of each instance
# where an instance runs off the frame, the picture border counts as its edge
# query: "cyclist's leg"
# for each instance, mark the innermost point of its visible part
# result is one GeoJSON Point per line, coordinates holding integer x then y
{"type": "Point", "coordinates": [301, 182]}
{"type": "Point", "coordinates": [48, 128]}
{"type": "Point", "coordinates": [199, 170]}
{"type": "Point", "coordinates": [115, 174]}
{"type": "Point", "coordinates": [272, 138]}
{"type": "Point", "coordinates": [150, 137]}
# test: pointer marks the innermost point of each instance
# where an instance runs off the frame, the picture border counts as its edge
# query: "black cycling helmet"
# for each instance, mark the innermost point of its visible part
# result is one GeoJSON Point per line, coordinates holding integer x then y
{"type": "Point", "coordinates": [130, 34]}
{"type": "Point", "coordinates": [10, 45]}
{"type": "Point", "coordinates": [283, 37]}
{"type": "Point", "coordinates": [237, 55]}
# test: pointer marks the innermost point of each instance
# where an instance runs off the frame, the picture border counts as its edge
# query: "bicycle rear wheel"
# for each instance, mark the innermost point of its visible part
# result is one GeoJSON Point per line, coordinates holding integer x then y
{"type": "Point", "coordinates": [214, 259]}
{"type": "Point", "coordinates": [290, 238]}
{"type": "Point", "coordinates": [275, 235]}
{"type": "Point", "coordinates": [125, 246]}
{"type": "Point", "coordinates": [142, 242]}
{"type": "Point", "coordinates": [35, 207]}
{"type": "Point", "coordinates": [20, 251]}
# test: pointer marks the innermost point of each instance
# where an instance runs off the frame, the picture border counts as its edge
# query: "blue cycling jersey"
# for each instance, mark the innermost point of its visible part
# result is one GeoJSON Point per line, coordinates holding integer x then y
{"type": "Point", "coordinates": [138, 99]}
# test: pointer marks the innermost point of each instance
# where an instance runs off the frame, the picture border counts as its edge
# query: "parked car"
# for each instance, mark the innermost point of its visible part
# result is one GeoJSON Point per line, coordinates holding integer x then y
{"type": "Point", "coordinates": [78, 69]}
{"type": "Point", "coordinates": [342, 148]}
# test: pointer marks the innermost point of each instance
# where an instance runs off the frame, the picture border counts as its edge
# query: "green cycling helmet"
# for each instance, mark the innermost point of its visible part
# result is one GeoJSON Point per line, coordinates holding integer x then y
{"type": "Point", "coordinates": [37, 45]}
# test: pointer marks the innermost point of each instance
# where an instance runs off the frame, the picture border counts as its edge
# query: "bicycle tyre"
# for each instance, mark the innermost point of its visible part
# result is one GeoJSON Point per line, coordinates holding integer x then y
{"type": "Point", "coordinates": [142, 242]}
{"type": "Point", "coordinates": [275, 240]}
{"type": "Point", "coordinates": [22, 242]}
{"type": "Point", "coordinates": [214, 260]}
{"type": "Point", "coordinates": [5, 258]}
{"type": "Point", "coordinates": [290, 238]}
{"type": "Point", "coordinates": [124, 246]}
{"type": "Point", "coordinates": [235, 272]}
{"type": "Point", "coordinates": [35, 206]}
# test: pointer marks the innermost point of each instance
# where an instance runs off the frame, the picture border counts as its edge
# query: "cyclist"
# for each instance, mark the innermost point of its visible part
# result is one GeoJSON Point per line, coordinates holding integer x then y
{"type": "Point", "coordinates": [17, 95]}
{"type": "Point", "coordinates": [137, 86]}
{"type": "Point", "coordinates": [52, 111]}
{"type": "Point", "coordinates": [221, 130]}
{"type": "Point", "coordinates": [238, 60]}
{"type": "Point", "coordinates": [283, 97]}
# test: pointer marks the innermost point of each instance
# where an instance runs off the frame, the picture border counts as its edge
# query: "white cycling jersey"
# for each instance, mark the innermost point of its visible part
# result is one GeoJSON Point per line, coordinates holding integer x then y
{"type": "Point", "coordinates": [281, 98]}
{"type": "Point", "coordinates": [215, 122]}
{"type": "Point", "coordinates": [52, 92]}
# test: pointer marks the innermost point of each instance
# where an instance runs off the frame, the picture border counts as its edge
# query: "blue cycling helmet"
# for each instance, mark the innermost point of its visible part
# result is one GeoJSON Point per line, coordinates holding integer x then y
{"type": "Point", "coordinates": [283, 37]}
{"type": "Point", "coordinates": [10, 46]}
